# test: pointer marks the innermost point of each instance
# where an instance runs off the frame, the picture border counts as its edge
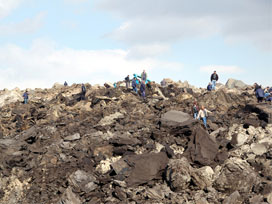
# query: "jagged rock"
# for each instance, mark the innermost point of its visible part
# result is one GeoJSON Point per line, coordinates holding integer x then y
{"type": "Point", "coordinates": [236, 175]}
{"type": "Point", "coordinates": [234, 198]}
{"type": "Point", "coordinates": [158, 192]}
{"type": "Point", "coordinates": [269, 198]}
{"type": "Point", "coordinates": [233, 83]}
{"type": "Point", "coordinates": [202, 148]}
{"type": "Point", "coordinates": [108, 120]}
{"type": "Point", "coordinates": [178, 174]}
{"type": "Point", "coordinates": [176, 118]}
{"type": "Point", "coordinates": [7, 97]}
{"type": "Point", "coordinates": [258, 149]}
{"type": "Point", "coordinates": [203, 177]}
{"type": "Point", "coordinates": [69, 197]}
{"type": "Point", "coordinates": [139, 169]}
{"type": "Point", "coordinates": [239, 139]}
{"type": "Point", "coordinates": [72, 137]}
{"type": "Point", "coordinates": [83, 181]}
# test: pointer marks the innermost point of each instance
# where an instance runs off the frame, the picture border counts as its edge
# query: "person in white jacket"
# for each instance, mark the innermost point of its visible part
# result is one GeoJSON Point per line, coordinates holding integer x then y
{"type": "Point", "coordinates": [202, 114]}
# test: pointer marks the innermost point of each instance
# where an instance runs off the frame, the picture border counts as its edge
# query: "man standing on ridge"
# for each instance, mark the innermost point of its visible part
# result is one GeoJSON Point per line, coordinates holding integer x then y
{"type": "Point", "coordinates": [144, 76]}
{"type": "Point", "coordinates": [214, 79]}
{"type": "Point", "coordinates": [127, 81]}
{"type": "Point", "coordinates": [25, 95]}
{"type": "Point", "coordinates": [83, 92]}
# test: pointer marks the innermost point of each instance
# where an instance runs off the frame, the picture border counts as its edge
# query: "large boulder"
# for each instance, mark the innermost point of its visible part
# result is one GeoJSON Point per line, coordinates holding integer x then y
{"type": "Point", "coordinates": [139, 169]}
{"type": "Point", "coordinates": [176, 118]}
{"type": "Point", "coordinates": [235, 175]}
{"type": "Point", "coordinates": [233, 83]}
{"type": "Point", "coordinates": [178, 174]}
{"type": "Point", "coordinates": [202, 148]}
{"type": "Point", "coordinates": [7, 97]}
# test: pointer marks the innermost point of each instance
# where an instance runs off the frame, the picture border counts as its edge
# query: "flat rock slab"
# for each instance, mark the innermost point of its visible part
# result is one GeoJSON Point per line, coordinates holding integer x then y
{"type": "Point", "coordinates": [72, 137]}
{"type": "Point", "coordinates": [176, 118]}
{"type": "Point", "coordinates": [139, 169]}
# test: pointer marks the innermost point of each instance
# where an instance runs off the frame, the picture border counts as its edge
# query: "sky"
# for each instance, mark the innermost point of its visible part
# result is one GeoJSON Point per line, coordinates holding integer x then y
{"type": "Point", "coordinates": [97, 41]}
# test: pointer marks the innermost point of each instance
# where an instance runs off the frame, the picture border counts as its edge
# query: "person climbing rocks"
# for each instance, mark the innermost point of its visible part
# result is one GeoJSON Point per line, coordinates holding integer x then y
{"type": "Point", "coordinates": [144, 76]}
{"type": "Point", "coordinates": [142, 89]}
{"type": "Point", "coordinates": [195, 110]}
{"type": "Point", "coordinates": [114, 85]}
{"type": "Point", "coordinates": [259, 92]}
{"type": "Point", "coordinates": [65, 83]}
{"type": "Point", "coordinates": [209, 87]}
{"type": "Point", "coordinates": [214, 79]}
{"type": "Point", "coordinates": [25, 96]}
{"type": "Point", "coordinates": [134, 84]}
{"type": "Point", "coordinates": [127, 80]}
{"type": "Point", "coordinates": [202, 114]}
{"type": "Point", "coordinates": [83, 92]}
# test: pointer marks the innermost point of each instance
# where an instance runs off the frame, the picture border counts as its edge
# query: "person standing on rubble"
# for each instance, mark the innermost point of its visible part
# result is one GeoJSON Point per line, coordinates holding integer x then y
{"type": "Point", "coordinates": [142, 89]}
{"type": "Point", "coordinates": [259, 92]}
{"type": "Point", "coordinates": [195, 110]}
{"type": "Point", "coordinates": [25, 95]}
{"type": "Point", "coordinates": [127, 80]}
{"type": "Point", "coordinates": [83, 92]}
{"type": "Point", "coordinates": [214, 79]}
{"type": "Point", "coordinates": [203, 114]}
{"type": "Point", "coordinates": [134, 84]}
{"type": "Point", "coordinates": [144, 76]}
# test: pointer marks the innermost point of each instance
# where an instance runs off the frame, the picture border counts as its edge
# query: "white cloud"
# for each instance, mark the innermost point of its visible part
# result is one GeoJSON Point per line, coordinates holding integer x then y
{"type": "Point", "coordinates": [27, 26]}
{"type": "Point", "coordinates": [169, 21]}
{"type": "Point", "coordinates": [147, 50]}
{"type": "Point", "coordinates": [43, 64]}
{"type": "Point", "coordinates": [6, 6]}
{"type": "Point", "coordinates": [222, 69]}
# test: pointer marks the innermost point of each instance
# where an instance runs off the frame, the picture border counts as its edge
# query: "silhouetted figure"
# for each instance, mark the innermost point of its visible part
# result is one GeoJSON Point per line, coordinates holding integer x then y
{"type": "Point", "coordinates": [127, 80]}
{"type": "Point", "coordinates": [83, 92]}
{"type": "Point", "coordinates": [65, 83]}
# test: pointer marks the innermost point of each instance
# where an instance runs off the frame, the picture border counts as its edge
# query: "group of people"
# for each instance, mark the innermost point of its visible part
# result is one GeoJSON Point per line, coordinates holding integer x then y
{"type": "Point", "coordinates": [200, 113]}
{"type": "Point", "coordinates": [214, 78]}
{"type": "Point", "coordinates": [263, 94]}
{"type": "Point", "coordinates": [135, 83]}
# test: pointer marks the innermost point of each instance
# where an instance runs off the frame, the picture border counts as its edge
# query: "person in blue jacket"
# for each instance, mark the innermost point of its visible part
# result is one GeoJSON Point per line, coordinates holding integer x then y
{"type": "Point", "coordinates": [259, 92]}
{"type": "Point", "coordinates": [25, 95]}
{"type": "Point", "coordinates": [209, 87]}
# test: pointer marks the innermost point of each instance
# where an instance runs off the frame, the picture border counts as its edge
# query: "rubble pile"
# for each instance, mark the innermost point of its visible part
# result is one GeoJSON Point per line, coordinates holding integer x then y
{"type": "Point", "coordinates": [115, 147]}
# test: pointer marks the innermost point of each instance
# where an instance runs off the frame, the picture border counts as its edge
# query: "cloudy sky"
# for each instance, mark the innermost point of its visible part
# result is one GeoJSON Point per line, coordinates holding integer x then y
{"type": "Point", "coordinates": [43, 42]}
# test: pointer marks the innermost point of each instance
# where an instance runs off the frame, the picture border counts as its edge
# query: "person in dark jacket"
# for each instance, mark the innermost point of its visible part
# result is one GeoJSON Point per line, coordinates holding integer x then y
{"type": "Point", "coordinates": [65, 83]}
{"type": "Point", "coordinates": [209, 87]}
{"type": "Point", "coordinates": [195, 110]}
{"type": "Point", "coordinates": [259, 92]}
{"type": "Point", "coordinates": [134, 84]}
{"type": "Point", "coordinates": [142, 89]}
{"type": "Point", "coordinates": [83, 92]}
{"type": "Point", "coordinates": [25, 95]}
{"type": "Point", "coordinates": [127, 80]}
{"type": "Point", "coordinates": [214, 79]}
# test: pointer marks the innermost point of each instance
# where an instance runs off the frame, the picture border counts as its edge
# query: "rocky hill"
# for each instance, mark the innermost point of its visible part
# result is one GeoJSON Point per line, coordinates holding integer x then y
{"type": "Point", "coordinates": [115, 147]}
